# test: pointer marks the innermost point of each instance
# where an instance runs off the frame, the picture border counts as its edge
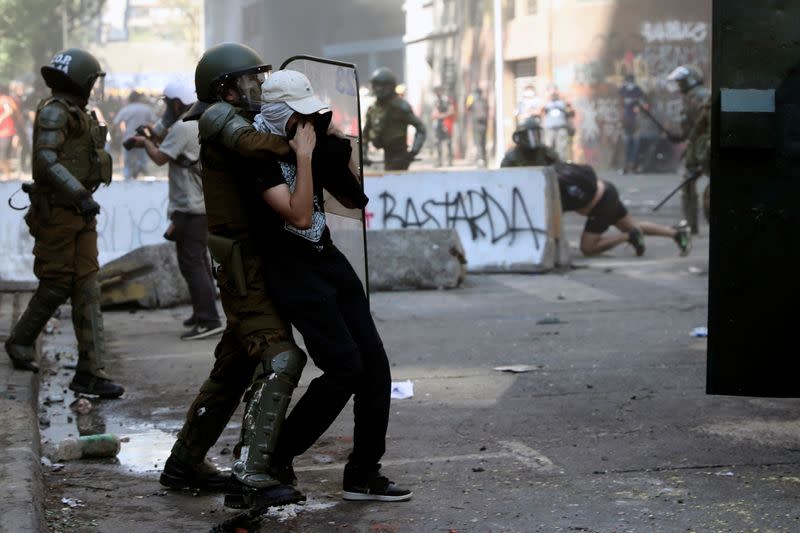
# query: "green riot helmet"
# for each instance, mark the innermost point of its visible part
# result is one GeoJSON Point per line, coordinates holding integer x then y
{"type": "Point", "coordinates": [74, 71]}
{"type": "Point", "coordinates": [231, 66]}
{"type": "Point", "coordinates": [383, 83]}
{"type": "Point", "coordinates": [687, 77]}
{"type": "Point", "coordinates": [529, 133]}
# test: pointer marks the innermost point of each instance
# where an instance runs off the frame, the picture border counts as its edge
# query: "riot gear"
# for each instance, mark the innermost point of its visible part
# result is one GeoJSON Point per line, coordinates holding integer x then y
{"type": "Point", "coordinates": [687, 77]}
{"type": "Point", "coordinates": [384, 83]}
{"type": "Point", "coordinates": [231, 66]}
{"type": "Point", "coordinates": [528, 133]}
{"type": "Point", "coordinates": [73, 71]}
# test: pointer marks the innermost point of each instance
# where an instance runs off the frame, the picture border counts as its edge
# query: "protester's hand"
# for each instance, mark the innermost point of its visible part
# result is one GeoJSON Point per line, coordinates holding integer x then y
{"type": "Point", "coordinates": [88, 208]}
{"type": "Point", "coordinates": [304, 140]}
{"type": "Point", "coordinates": [168, 235]}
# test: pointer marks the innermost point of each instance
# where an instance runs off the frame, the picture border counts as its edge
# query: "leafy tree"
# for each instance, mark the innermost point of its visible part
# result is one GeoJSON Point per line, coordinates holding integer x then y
{"type": "Point", "coordinates": [31, 31]}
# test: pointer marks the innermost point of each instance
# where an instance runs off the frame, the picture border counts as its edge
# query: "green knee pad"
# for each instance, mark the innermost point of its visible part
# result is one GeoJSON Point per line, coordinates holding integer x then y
{"type": "Point", "coordinates": [267, 402]}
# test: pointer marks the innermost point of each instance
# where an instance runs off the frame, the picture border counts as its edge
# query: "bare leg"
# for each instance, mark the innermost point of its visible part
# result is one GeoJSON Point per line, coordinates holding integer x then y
{"type": "Point", "coordinates": [627, 223]}
{"type": "Point", "coordinates": [595, 243]}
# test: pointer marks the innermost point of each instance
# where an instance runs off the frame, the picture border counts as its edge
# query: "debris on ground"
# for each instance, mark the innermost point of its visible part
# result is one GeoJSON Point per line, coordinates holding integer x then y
{"type": "Point", "coordinates": [402, 390]}
{"type": "Point", "coordinates": [516, 369]}
{"type": "Point", "coordinates": [72, 502]}
{"type": "Point", "coordinates": [700, 331]}
{"type": "Point", "coordinates": [81, 405]}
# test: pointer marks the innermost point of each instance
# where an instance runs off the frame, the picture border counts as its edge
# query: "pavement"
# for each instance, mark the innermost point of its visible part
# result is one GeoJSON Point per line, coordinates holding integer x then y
{"type": "Point", "coordinates": [604, 425]}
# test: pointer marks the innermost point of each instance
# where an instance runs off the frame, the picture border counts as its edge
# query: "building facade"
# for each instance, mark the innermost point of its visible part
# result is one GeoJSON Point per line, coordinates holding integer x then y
{"type": "Point", "coordinates": [582, 47]}
{"type": "Point", "coordinates": [368, 33]}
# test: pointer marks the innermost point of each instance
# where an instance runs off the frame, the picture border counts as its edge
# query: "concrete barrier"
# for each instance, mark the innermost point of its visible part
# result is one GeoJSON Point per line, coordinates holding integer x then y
{"type": "Point", "coordinates": [148, 276]}
{"type": "Point", "coordinates": [507, 219]}
{"type": "Point", "coordinates": [415, 259]}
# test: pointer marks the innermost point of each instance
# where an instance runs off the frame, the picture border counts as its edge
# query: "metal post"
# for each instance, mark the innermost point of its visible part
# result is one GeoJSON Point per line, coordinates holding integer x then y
{"type": "Point", "coordinates": [499, 113]}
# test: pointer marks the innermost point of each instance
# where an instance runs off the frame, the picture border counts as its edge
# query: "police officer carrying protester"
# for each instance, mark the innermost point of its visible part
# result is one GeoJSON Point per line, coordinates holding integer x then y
{"type": "Point", "coordinates": [256, 353]}
{"type": "Point", "coordinates": [696, 129]}
{"type": "Point", "coordinates": [69, 163]}
{"type": "Point", "coordinates": [387, 123]}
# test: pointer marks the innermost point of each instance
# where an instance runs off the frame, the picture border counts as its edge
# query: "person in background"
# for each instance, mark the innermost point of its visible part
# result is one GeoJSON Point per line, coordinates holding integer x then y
{"type": "Point", "coordinates": [8, 130]}
{"type": "Point", "coordinates": [529, 105]}
{"type": "Point", "coordinates": [478, 109]}
{"type": "Point", "coordinates": [557, 117]}
{"type": "Point", "coordinates": [443, 115]}
{"type": "Point", "coordinates": [135, 114]}
{"type": "Point", "coordinates": [631, 97]}
{"type": "Point", "coordinates": [180, 149]}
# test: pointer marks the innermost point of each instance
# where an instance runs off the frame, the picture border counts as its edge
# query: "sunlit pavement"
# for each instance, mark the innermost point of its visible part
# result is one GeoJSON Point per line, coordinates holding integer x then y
{"type": "Point", "coordinates": [608, 427]}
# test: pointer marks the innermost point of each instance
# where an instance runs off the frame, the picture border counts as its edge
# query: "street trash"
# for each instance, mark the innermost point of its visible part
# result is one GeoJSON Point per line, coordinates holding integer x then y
{"type": "Point", "coordinates": [81, 405]}
{"type": "Point", "coordinates": [46, 462]}
{"type": "Point", "coordinates": [322, 459]}
{"type": "Point", "coordinates": [94, 446]}
{"type": "Point", "coordinates": [697, 271]}
{"type": "Point", "coordinates": [72, 502]}
{"type": "Point", "coordinates": [700, 331]}
{"type": "Point", "coordinates": [402, 390]}
{"type": "Point", "coordinates": [515, 369]}
{"type": "Point", "coordinates": [57, 467]}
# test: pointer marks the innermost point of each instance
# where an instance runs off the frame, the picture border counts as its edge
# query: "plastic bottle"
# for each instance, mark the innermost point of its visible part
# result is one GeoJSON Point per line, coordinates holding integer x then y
{"type": "Point", "coordinates": [103, 445]}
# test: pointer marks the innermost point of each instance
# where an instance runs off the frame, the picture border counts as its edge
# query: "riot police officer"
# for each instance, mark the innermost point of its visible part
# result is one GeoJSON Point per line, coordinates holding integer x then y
{"type": "Point", "coordinates": [256, 353]}
{"type": "Point", "coordinates": [68, 164]}
{"type": "Point", "coordinates": [696, 129]}
{"type": "Point", "coordinates": [529, 150]}
{"type": "Point", "coordinates": [387, 122]}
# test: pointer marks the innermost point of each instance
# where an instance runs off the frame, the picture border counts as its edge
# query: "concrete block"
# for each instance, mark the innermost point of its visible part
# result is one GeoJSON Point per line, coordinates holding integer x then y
{"type": "Point", "coordinates": [415, 259]}
{"type": "Point", "coordinates": [148, 276]}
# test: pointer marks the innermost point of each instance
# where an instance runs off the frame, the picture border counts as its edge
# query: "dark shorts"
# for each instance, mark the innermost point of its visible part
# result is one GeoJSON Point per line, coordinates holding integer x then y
{"type": "Point", "coordinates": [608, 211]}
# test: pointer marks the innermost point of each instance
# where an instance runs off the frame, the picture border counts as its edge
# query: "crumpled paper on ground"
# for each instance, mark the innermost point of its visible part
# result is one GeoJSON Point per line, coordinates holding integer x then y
{"type": "Point", "coordinates": [402, 390]}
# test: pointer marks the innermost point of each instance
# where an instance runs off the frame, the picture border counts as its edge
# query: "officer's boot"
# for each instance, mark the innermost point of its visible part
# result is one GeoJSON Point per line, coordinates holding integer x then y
{"type": "Point", "coordinates": [90, 378]}
{"type": "Point", "coordinates": [44, 302]}
{"type": "Point", "coordinates": [267, 402]}
{"type": "Point", "coordinates": [689, 207]}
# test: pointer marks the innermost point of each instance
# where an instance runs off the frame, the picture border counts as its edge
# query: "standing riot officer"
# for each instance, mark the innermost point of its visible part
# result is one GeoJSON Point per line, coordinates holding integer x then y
{"type": "Point", "coordinates": [529, 150]}
{"type": "Point", "coordinates": [696, 129]}
{"type": "Point", "coordinates": [69, 163]}
{"type": "Point", "coordinates": [256, 352]}
{"type": "Point", "coordinates": [387, 123]}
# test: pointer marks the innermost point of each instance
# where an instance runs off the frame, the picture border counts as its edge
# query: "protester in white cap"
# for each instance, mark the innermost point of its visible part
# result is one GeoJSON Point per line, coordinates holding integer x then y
{"type": "Point", "coordinates": [318, 292]}
{"type": "Point", "coordinates": [186, 210]}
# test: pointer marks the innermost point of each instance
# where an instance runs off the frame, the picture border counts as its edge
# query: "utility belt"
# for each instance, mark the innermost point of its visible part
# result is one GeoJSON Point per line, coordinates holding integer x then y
{"type": "Point", "coordinates": [43, 200]}
{"type": "Point", "coordinates": [230, 255]}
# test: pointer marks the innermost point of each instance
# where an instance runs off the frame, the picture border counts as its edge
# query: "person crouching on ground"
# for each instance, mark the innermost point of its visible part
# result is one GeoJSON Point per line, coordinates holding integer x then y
{"type": "Point", "coordinates": [317, 290]}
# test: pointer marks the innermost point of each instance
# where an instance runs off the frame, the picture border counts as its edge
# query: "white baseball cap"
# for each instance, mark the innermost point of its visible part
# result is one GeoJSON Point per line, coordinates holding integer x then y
{"type": "Point", "coordinates": [181, 89]}
{"type": "Point", "coordinates": [294, 89]}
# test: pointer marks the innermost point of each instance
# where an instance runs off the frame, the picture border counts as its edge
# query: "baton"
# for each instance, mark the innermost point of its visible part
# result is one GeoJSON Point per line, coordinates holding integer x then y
{"type": "Point", "coordinates": [655, 121]}
{"type": "Point", "coordinates": [685, 182]}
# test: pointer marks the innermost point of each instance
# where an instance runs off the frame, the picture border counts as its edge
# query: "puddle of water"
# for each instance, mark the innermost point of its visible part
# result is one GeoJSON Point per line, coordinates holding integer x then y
{"type": "Point", "coordinates": [145, 451]}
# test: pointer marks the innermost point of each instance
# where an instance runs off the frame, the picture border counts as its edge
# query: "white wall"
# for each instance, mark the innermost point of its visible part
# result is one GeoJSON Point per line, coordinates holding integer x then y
{"type": "Point", "coordinates": [501, 216]}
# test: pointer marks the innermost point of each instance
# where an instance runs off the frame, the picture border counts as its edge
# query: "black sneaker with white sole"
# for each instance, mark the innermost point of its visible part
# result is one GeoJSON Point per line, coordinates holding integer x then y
{"type": "Point", "coordinates": [376, 489]}
{"type": "Point", "coordinates": [203, 330]}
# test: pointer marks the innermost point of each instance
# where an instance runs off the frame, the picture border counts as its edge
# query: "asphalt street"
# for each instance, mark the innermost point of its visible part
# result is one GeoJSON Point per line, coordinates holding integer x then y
{"type": "Point", "coordinates": [606, 428]}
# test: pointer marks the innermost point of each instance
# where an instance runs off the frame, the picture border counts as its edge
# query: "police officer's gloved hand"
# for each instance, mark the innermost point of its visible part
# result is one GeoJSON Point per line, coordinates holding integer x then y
{"type": "Point", "coordinates": [88, 208]}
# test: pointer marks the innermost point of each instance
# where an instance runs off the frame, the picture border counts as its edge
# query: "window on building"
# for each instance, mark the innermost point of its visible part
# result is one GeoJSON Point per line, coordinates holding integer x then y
{"type": "Point", "coordinates": [525, 68]}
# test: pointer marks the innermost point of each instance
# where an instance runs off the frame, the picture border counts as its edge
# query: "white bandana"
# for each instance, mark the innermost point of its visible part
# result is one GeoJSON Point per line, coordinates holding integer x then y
{"type": "Point", "coordinates": [273, 118]}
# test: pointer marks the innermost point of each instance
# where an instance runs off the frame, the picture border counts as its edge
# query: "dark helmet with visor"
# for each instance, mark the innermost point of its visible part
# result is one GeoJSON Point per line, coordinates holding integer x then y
{"type": "Point", "coordinates": [231, 66]}
{"type": "Point", "coordinates": [383, 83]}
{"type": "Point", "coordinates": [529, 133]}
{"type": "Point", "coordinates": [75, 71]}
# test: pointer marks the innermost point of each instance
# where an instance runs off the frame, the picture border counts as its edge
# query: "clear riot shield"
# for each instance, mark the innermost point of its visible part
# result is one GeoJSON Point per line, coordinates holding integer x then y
{"type": "Point", "coordinates": [336, 83]}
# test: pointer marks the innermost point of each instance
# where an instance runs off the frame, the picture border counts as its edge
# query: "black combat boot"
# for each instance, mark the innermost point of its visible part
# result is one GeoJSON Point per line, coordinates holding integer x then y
{"type": "Point", "coordinates": [258, 500]}
{"type": "Point", "coordinates": [86, 383]}
{"type": "Point", "coordinates": [204, 476]}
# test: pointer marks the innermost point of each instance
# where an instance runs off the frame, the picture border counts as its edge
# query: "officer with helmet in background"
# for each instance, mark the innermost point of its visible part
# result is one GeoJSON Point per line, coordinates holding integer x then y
{"type": "Point", "coordinates": [387, 122]}
{"type": "Point", "coordinates": [180, 149]}
{"type": "Point", "coordinates": [529, 150]}
{"type": "Point", "coordinates": [69, 163]}
{"type": "Point", "coordinates": [256, 355]}
{"type": "Point", "coordinates": [696, 130]}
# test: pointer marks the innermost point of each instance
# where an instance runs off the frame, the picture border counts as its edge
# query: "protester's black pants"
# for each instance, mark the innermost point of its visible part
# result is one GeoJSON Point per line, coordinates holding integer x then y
{"type": "Point", "coordinates": [191, 240]}
{"type": "Point", "coordinates": [323, 298]}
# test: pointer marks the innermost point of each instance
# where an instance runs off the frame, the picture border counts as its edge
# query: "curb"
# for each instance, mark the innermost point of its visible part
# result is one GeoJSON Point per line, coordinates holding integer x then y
{"type": "Point", "coordinates": [22, 490]}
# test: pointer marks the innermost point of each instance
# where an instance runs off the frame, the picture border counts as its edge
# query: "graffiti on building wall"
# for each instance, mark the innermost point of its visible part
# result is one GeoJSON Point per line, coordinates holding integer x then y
{"type": "Point", "coordinates": [650, 55]}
